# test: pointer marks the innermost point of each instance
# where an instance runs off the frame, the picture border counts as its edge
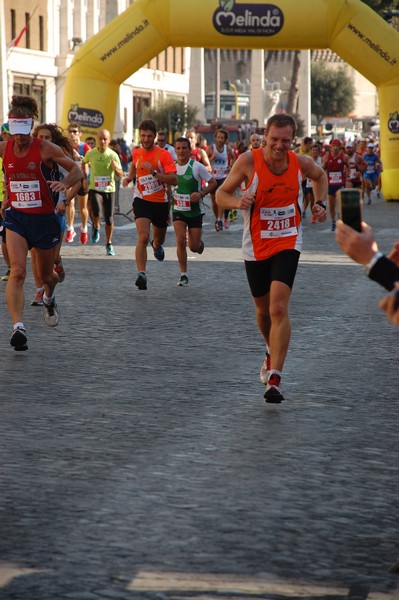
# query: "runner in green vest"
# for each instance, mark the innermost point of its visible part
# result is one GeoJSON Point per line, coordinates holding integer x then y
{"type": "Point", "coordinates": [187, 204]}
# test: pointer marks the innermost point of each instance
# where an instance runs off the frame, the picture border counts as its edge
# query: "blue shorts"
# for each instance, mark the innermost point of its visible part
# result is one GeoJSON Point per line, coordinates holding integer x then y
{"type": "Point", "coordinates": [373, 177]}
{"type": "Point", "coordinates": [40, 231]}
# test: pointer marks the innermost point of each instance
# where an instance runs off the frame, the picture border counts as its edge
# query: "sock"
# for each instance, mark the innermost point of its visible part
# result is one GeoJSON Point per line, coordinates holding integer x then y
{"type": "Point", "coordinates": [70, 228]}
{"type": "Point", "coordinates": [83, 229]}
{"type": "Point", "coordinates": [48, 300]}
{"type": "Point", "coordinates": [267, 351]}
{"type": "Point", "coordinates": [276, 371]}
{"type": "Point", "coordinates": [142, 273]}
{"type": "Point", "coordinates": [19, 324]}
{"type": "Point", "coordinates": [185, 273]}
{"type": "Point", "coordinates": [40, 289]}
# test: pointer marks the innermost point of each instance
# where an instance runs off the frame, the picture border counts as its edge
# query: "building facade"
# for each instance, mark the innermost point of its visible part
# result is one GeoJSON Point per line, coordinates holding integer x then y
{"type": "Point", "coordinates": [37, 45]}
{"type": "Point", "coordinates": [38, 41]}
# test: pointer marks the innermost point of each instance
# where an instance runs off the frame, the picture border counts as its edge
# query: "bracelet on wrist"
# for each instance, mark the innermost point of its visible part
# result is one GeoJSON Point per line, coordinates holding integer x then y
{"type": "Point", "coordinates": [321, 203]}
{"type": "Point", "coordinates": [376, 256]}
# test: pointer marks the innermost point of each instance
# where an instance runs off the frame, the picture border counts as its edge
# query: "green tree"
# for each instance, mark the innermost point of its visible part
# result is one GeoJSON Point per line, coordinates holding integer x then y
{"type": "Point", "coordinates": [381, 5]}
{"type": "Point", "coordinates": [172, 115]}
{"type": "Point", "coordinates": [332, 92]}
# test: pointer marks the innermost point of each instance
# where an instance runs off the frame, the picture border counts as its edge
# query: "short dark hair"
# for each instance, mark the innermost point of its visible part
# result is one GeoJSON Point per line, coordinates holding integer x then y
{"type": "Point", "coordinates": [183, 140]}
{"type": "Point", "coordinates": [75, 126]}
{"type": "Point", "coordinates": [148, 125]}
{"type": "Point", "coordinates": [307, 140]}
{"type": "Point", "coordinates": [23, 106]}
{"type": "Point", "coordinates": [221, 130]}
{"type": "Point", "coordinates": [281, 120]}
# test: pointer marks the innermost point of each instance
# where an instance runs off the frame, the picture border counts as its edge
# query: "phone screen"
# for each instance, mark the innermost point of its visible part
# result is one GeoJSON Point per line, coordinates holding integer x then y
{"type": "Point", "coordinates": [350, 202]}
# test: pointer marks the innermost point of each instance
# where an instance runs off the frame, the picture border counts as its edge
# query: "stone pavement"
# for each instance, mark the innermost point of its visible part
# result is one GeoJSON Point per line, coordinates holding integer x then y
{"type": "Point", "coordinates": [139, 460]}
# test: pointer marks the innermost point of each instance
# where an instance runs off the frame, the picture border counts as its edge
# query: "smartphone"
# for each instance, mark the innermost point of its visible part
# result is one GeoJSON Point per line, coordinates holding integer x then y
{"type": "Point", "coordinates": [350, 207]}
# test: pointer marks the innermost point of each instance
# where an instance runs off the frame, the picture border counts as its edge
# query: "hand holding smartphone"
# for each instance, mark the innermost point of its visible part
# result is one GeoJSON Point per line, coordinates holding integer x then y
{"type": "Point", "coordinates": [350, 207]}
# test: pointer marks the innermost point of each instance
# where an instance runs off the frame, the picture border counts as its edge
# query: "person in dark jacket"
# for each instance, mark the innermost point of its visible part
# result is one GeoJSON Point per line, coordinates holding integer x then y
{"type": "Point", "coordinates": [363, 249]}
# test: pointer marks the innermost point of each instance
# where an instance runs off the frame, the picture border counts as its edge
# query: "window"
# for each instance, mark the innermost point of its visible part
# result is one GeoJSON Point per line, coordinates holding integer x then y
{"type": "Point", "coordinates": [27, 32]}
{"type": "Point", "coordinates": [13, 24]}
{"type": "Point", "coordinates": [23, 86]}
{"type": "Point", "coordinates": [41, 34]}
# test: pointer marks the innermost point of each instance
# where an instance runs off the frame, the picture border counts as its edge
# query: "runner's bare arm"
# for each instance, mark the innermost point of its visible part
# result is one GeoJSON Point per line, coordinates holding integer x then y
{"type": "Point", "coordinates": [131, 175]}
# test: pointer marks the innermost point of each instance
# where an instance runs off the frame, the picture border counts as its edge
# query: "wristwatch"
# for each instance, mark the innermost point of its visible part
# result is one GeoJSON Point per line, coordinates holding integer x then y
{"type": "Point", "coordinates": [154, 173]}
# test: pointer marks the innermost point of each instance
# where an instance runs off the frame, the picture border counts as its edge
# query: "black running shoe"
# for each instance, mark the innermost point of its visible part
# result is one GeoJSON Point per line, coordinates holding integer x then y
{"type": "Point", "coordinates": [273, 392]}
{"type": "Point", "coordinates": [159, 253]}
{"type": "Point", "coordinates": [141, 281]}
{"type": "Point", "coordinates": [18, 339]}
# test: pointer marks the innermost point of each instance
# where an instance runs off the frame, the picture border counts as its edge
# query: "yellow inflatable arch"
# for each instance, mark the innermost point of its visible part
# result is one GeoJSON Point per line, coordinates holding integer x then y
{"type": "Point", "coordinates": [348, 27]}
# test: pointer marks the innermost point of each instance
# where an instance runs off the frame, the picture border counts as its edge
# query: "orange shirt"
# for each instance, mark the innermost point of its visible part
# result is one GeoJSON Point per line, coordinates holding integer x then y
{"type": "Point", "coordinates": [273, 224]}
{"type": "Point", "coordinates": [147, 186]}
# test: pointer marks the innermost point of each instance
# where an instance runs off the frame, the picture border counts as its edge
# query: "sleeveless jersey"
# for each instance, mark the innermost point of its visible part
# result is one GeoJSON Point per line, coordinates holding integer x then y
{"type": "Point", "coordinates": [147, 185]}
{"type": "Point", "coordinates": [336, 169]}
{"type": "Point", "coordinates": [195, 154]}
{"type": "Point", "coordinates": [220, 164]}
{"type": "Point", "coordinates": [354, 174]}
{"type": "Point", "coordinates": [186, 185]}
{"type": "Point", "coordinates": [273, 223]}
{"type": "Point", "coordinates": [372, 161]}
{"type": "Point", "coordinates": [1, 181]}
{"type": "Point", "coordinates": [26, 180]}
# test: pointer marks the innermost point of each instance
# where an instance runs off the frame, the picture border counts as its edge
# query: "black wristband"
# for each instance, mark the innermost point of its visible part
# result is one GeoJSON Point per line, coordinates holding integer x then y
{"type": "Point", "coordinates": [321, 203]}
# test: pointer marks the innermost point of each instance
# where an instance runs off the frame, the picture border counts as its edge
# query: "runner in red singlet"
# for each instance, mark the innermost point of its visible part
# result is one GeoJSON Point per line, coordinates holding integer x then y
{"type": "Point", "coordinates": [335, 164]}
{"type": "Point", "coordinates": [30, 216]}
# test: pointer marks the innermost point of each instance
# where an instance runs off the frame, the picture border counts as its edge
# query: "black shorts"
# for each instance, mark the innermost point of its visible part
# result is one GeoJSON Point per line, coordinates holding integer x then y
{"type": "Point", "coordinates": [280, 267]}
{"type": "Point", "coordinates": [191, 222]}
{"type": "Point", "coordinates": [333, 189]}
{"type": "Point", "coordinates": [156, 212]}
{"type": "Point", "coordinates": [356, 184]}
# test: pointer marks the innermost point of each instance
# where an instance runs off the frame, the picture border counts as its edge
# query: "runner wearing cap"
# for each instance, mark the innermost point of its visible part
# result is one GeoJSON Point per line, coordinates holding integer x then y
{"type": "Point", "coordinates": [335, 164]}
{"type": "Point", "coordinates": [370, 175]}
{"type": "Point", "coordinates": [31, 214]}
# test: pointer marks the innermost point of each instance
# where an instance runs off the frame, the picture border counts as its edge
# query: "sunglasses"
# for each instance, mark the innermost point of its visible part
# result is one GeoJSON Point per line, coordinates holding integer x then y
{"type": "Point", "coordinates": [74, 131]}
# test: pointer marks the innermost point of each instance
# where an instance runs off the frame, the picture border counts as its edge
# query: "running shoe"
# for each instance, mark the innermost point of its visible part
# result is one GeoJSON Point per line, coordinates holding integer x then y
{"type": "Point", "coordinates": [304, 214]}
{"type": "Point", "coordinates": [38, 299]}
{"type": "Point", "coordinates": [265, 369]}
{"type": "Point", "coordinates": [70, 235]}
{"type": "Point", "coordinates": [273, 393]}
{"type": "Point", "coordinates": [314, 219]}
{"type": "Point", "coordinates": [84, 237]}
{"type": "Point", "coordinates": [110, 249]}
{"type": "Point", "coordinates": [333, 226]}
{"type": "Point", "coordinates": [233, 214]}
{"type": "Point", "coordinates": [369, 201]}
{"type": "Point", "coordinates": [201, 247]}
{"type": "Point", "coordinates": [183, 281]}
{"type": "Point", "coordinates": [6, 277]}
{"type": "Point", "coordinates": [141, 281]}
{"type": "Point", "coordinates": [59, 269]}
{"type": "Point", "coordinates": [159, 252]}
{"type": "Point", "coordinates": [18, 339]}
{"type": "Point", "coordinates": [51, 315]}
{"type": "Point", "coordinates": [95, 235]}
{"type": "Point", "coordinates": [226, 224]}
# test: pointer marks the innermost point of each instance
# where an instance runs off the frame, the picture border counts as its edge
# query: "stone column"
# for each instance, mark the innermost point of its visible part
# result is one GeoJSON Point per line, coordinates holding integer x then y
{"type": "Point", "coordinates": [196, 95]}
{"type": "Point", "coordinates": [257, 99]}
{"type": "Point", "coordinates": [304, 103]}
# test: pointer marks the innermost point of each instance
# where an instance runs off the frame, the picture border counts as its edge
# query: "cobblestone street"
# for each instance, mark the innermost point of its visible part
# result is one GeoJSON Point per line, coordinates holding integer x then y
{"type": "Point", "coordinates": [140, 461]}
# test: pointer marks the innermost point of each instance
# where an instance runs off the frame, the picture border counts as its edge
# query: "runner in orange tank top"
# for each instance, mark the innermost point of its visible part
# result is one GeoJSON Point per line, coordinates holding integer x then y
{"type": "Point", "coordinates": [271, 202]}
{"type": "Point", "coordinates": [152, 169]}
